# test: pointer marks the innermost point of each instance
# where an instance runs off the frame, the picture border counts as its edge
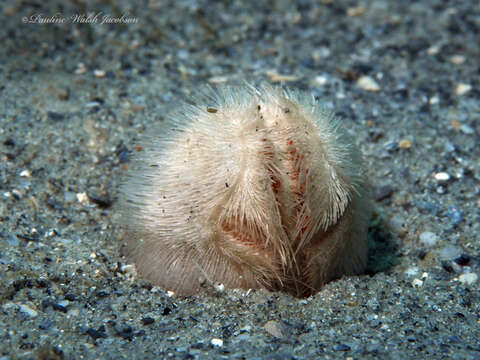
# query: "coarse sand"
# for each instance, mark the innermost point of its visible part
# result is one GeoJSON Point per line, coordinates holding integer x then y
{"type": "Point", "coordinates": [81, 82]}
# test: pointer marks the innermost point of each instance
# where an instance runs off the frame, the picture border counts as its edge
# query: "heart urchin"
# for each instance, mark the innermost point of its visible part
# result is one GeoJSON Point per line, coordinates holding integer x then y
{"type": "Point", "coordinates": [258, 188]}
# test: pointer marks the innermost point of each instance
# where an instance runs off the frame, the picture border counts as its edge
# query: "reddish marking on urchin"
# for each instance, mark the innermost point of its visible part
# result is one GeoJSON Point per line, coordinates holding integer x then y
{"type": "Point", "coordinates": [276, 184]}
{"type": "Point", "coordinates": [240, 234]}
{"type": "Point", "coordinates": [299, 189]}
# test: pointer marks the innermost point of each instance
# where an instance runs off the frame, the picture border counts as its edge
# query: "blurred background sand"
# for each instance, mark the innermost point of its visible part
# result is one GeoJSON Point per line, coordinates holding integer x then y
{"type": "Point", "coordinates": [80, 81]}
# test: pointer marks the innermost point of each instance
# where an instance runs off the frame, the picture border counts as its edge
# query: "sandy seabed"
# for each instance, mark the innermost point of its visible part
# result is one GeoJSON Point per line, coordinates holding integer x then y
{"type": "Point", "coordinates": [76, 96]}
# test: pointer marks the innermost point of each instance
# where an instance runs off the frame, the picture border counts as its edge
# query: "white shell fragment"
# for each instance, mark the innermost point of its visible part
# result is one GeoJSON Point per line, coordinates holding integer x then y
{"type": "Point", "coordinates": [416, 283]}
{"type": "Point", "coordinates": [216, 342]}
{"type": "Point", "coordinates": [468, 278]}
{"type": "Point", "coordinates": [368, 83]}
{"type": "Point", "coordinates": [442, 176]}
{"type": "Point", "coordinates": [428, 239]}
{"type": "Point", "coordinates": [462, 89]}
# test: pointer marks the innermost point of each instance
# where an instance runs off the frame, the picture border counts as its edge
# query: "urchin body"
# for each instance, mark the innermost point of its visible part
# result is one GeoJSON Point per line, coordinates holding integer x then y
{"type": "Point", "coordinates": [258, 188]}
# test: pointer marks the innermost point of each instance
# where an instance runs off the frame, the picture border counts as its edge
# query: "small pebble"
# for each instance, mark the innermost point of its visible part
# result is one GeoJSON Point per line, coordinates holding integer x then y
{"type": "Point", "coordinates": [148, 320]}
{"type": "Point", "coordinates": [219, 287]}
{"type": "Point", "coordinates": [454, 338]}
{"type": "Point", "coordinates": [28, 311]}
{"type": "Point", "coordinates": [26, 173]}
{"type": "Point", "coordinates": [457, 59]}
{"type": "Point", "coordinates": [416, 283]}
{"type": "Point", "coordinates": [466, 129]}
{"type": "Point", "coordinates": [428, 239]}
{"type": "Point", "coordinates": [126, 332]}
{"type": "Point", "coordinates": [426, 207]}
{"type": "Point", "coordinates": [463, 260]}
{"type": "Point", "coordinates": [455, 215]}
{"type": "Point", "coordinates": [449, 252]}
{"type": "Point", "coordinates": [59, 307]}
{"type": "Point", "coordinates": [321, 53]}
{"type": "Point", "coordinates": [341, 347]}
{"type": "Point", "coordinates": [412, 271]}
{"type": "Point", "coordinates": [391, 146]}
{"type": "Point", "coordinates": [356, 11]}
{"type": "Point", "coordinates": [433, 50]}
{"type": "Point", "coordinates": [320, 80]}
{"type": "Point", "coordinates": [374, 323]}
{"type": "Point", "coordinates": [73, 313]}
{"type": "Point", "coordinates": [383, 192]}
{"type": "Point", "coordinates": [82, 198]}
{"type": "Point", "coordinates": [216, 342]}
{"type": "Point", "coordinates": [9, 143]}
{"type": "Point", "coordinates": [442, 176]}
{"type": "Point", "coordinates": [277, 329]}
{"type": "Point", "coordinates": [462, 89]}
{"type": "Point", "coordinates": [166, 311]}
{"type": "Point", "coordinates": [81, 69]}
{"type": "Point", "coordinates": [64, 303]}
{"type": "Point", "coordinates": [218, 79]}
{"type": "Point", "coordinates": [55, 116]}
{"type": "Point", "coordinates": [367, 83]}
{"type": "Point", "coordinates": [455, 124]}
{"type": "Point", "coordinates": [12, 239]}
{"type": "Point", "coordinates": [274, 76]}
{"type": "Point", "coordinates": [434, 100]}
{"type": "Point", "coordinates": [45, 324]}
{"type": "Point", "coordinates": [422, 254]}
{"type": "Point", "coordinates": [449, 147]}
{"type": "Point", "coordinates": [70, 297]}
{"type": "Point", "coordinates": [69, 196]}
{"type": "Point", "coordinates": [246, 328]}
{"type": "Point", "coordinates": [129, 270]}
{"type": "Point", "coordinates": [396, 224]}
{"type": "Point", "coordinates": [123, 156]}
{"type": "Point", "coordinates": [63, 94]}
{"type": "Point", "coordinates": [103, 294]}
{"type": "Point", "coordinates": [100, 197]}
{"type": "Point", "coordinates": [9, 306]}
{"type": "Point", "coordinates": [99, 73]}
{"type": "Point", "coordinates": [405, 144]}
{"type": "Point", "coordinates": [447, 266]}
{"type": "Point", "coordinates": [468, 278]}
{"type": "Point", "coordinates": [96, 334]}
{"type": "Point", "coordinates": [92, 104]}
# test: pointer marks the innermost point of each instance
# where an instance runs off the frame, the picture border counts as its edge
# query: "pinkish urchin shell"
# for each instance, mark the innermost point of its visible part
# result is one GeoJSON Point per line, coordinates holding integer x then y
{"type": "Point", "coordinates": [259, 187]}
